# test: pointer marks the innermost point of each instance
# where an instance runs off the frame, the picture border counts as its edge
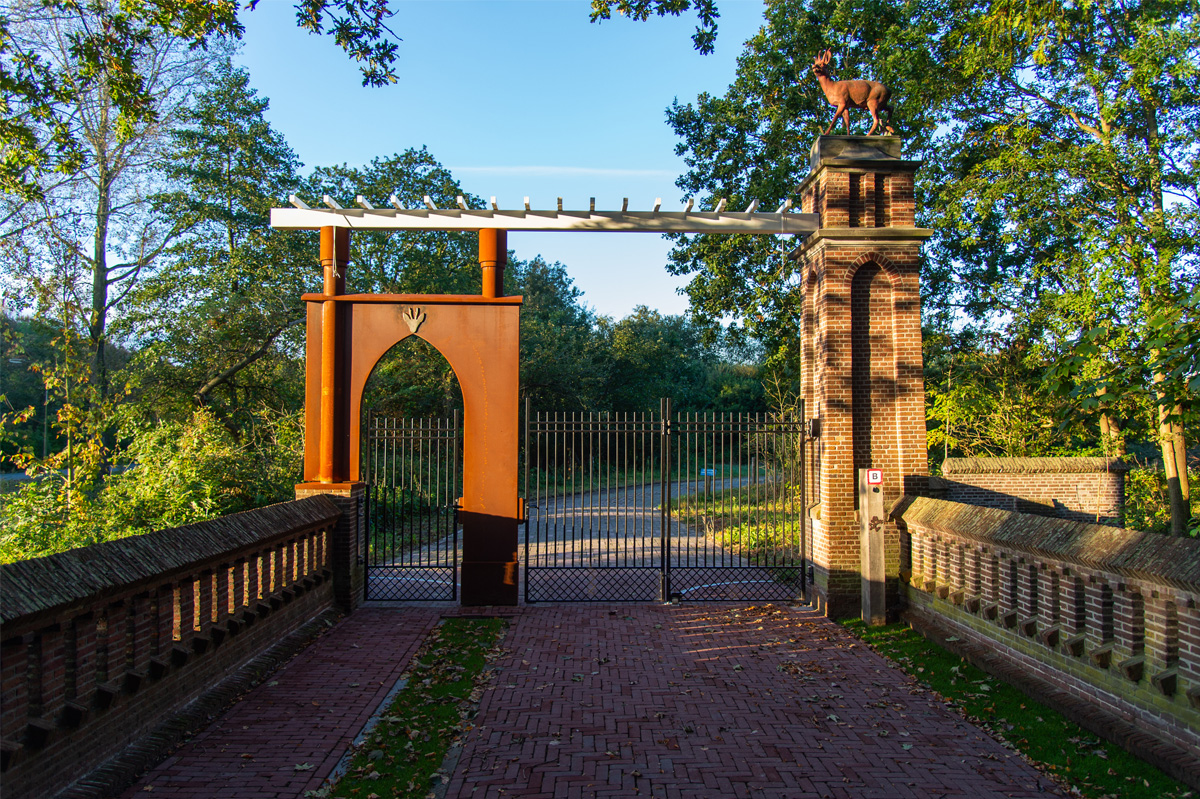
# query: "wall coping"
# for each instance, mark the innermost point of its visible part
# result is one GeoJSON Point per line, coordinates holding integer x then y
{"type": "Point", "coordinates": [51, 584]}
{"type": "Point", "coordinates": [1032, 465]}
{"type": "Point", "coordinates": [1132, 553]}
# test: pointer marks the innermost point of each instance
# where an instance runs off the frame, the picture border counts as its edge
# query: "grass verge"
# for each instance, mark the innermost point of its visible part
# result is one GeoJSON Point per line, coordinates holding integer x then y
{"type": "Point", "coordinates": [403, 755]}
{"type": "Point", "coordinates": [1082, 762]}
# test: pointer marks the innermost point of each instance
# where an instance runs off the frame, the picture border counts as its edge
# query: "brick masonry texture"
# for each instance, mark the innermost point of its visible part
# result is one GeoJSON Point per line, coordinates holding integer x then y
{"type": "Point", "coordinates": [623, 701]}
{"type": "Point", "coordinates": [102, 645]}
{"type": "Point", "coordinates": [1079, 489]}
{"type": "Point", "coordinates": [861, 353]}
{"type": "Point", "coordinates": [723, 700]}
{"type": "Point", "coordinates": [1107, 617]}
{"type": "Point", "coordinates": [304, 715]}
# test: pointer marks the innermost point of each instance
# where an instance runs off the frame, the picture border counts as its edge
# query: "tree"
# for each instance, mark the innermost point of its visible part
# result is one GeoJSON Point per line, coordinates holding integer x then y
{"type": "Point", "coordinates": [96, 219]}
{"type": "Point", "coordinates": [1061, 176]}
{"type": "Point", "coordinates": [652, 356]}
{"type": "Point", "coordinates": [705, 36]}
{"type": "Point", "coordinates": [562, 365]}
{"type": "Point", "coordinates": [109, 54]}
{"type": "Point", "coordinates": [219, 324]}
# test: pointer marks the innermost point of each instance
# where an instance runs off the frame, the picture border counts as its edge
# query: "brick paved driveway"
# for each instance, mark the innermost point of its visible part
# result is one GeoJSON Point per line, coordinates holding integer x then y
{"type": "Point", "coordinates": [622, 701]}
{"type": "Point", "coordinates": [717, 701]}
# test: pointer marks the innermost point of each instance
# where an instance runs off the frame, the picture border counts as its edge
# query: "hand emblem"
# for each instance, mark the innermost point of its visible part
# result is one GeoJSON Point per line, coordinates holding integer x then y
{"type": "Point", "coordinates": [414, 318]}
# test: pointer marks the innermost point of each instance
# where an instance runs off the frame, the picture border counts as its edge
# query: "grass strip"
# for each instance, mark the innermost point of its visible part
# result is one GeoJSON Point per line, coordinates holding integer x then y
{"type": "Point", "coordinates": [403, 755]}
{"type": "Point", "coordinates": [1083, 763]}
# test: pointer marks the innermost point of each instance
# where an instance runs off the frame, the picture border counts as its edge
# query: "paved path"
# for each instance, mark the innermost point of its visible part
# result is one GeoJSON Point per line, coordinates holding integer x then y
{"type": "Point", "coordinates": [720, 700]}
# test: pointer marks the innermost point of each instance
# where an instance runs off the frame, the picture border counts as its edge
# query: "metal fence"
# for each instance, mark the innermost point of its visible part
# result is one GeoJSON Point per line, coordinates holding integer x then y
{"type": "Point", "coordinates": [643, 506]}
{"type": "Point", "coordinates": [414, 471]}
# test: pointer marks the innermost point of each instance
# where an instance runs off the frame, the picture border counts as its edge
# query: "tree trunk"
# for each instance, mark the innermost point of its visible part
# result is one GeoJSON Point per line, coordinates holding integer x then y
{"type": "Point", "coordinates": [1112, 436]}
{"type": "Point", "coordinates": [1174, 455]}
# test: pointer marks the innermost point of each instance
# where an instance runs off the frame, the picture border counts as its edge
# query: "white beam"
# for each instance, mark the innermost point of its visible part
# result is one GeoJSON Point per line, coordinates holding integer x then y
{"type": "Point", "coordinates": [364, 203]}
{"type": "Point", "coordinates": [429, 203]}
{"type": "Point", "coordinates": [720, 205]}
{"type": "Point", "coordinates": [296, 201]}
{"type": "Point", "coordinates": [395, 201]}
{"type": "Point", "coordinates": [617, 221]}
{"type": "Point", "coordinates": [462, 203]}
{"type": "Point", "coordinates": [332, 203]}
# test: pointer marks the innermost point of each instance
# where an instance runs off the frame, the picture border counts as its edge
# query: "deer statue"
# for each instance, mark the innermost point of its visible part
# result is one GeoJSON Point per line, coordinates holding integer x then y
{"type": "Point", "coordinates": [847, 94]}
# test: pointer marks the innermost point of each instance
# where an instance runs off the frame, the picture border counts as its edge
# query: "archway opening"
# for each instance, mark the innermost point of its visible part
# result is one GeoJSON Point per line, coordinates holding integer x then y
{"type": "Point", "coordinates": [412, 463]}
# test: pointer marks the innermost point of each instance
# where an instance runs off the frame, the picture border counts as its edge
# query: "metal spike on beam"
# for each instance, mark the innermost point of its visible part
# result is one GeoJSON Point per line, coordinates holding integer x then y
{"type": "Point", "coordinates": [364, 203]}
{"type": "Point", "coordinates": [720, 205]}
{"type": "Point", "coordinates": [657, 204]}
{"type": "Point", "coordinates": [787, 204]}
{"type": "Point", "coordinates": [296, 201]}
{"type": "Point", "coordinates": [332, 203]}
{"type": "Point", "coordinates": [395, 201]}
{"type": "Point", "coordinates": [429, 203]}
{"type": "Point", "coordinates": [462, 203]}
{"type": "Point", "coordinates": [752, 207]}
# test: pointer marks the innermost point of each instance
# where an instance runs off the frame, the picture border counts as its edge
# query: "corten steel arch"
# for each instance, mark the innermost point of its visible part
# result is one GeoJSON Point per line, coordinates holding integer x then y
{"type": "Point", "coordinates": [855, 182]}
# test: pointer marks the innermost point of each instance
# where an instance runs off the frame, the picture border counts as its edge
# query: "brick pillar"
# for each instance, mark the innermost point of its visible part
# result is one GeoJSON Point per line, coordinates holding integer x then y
{"type": "Point", "coordinates": [862, 351]}
{"type": "Point", "coordinates": [347, 553]}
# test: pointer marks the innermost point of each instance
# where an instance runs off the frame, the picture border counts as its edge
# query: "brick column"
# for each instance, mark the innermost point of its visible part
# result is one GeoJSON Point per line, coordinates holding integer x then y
{"type": "Point", "coordinates": [862, 351]}
{"type": "Point", "coordinates": [347, 549]}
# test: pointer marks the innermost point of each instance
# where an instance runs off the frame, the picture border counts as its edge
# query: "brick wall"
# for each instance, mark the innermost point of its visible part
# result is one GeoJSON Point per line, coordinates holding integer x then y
{"type": "Point", "coordinates": [861, 353]}
{"type": "Point", "coordinates": [1079, 489]}
{"type": "Point", "coordinates": [1107, 615]}
{"type": "Point", "coordinates": [101, 644]}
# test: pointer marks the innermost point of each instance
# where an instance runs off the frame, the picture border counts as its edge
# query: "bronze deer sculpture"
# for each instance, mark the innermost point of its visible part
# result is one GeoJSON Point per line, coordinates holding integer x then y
{"type": "Point", "coordinates": [846, 94]}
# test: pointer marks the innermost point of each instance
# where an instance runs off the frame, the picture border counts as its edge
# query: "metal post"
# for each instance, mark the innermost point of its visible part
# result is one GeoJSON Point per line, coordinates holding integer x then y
{"type": "Point", "coordinates": [335, 255]}
{"type": "Point", "coordinates": [803, 508]}
{"type": "Point", "coordinates": [493, 256]}
{"type": "Point", "coordinates": [664, 453]}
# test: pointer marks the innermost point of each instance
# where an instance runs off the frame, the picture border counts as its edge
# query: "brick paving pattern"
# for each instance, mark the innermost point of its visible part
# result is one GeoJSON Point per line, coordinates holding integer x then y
{"type": "Point", "coordinates": [620, 701]}
{"type": "Point", "coordinates": [717, 701]}
{"type": "Point", "coordinates": [307, 713]}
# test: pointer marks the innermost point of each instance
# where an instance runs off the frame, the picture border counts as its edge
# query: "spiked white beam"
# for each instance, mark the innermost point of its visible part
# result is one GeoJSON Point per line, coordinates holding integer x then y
{"type": "Point", "coordinates": [302, 217]}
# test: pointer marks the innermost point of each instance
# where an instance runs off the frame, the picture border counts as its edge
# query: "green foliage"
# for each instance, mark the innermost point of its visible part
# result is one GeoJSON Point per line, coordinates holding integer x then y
{"type": "Point", "coordinates": [219, 323]}
{"type": "Point", "coordinates": [108, 42]}
{"type": "Point", "coordinates": [705, 36]}
{"type": "Point", "coordinates": [170, 474]}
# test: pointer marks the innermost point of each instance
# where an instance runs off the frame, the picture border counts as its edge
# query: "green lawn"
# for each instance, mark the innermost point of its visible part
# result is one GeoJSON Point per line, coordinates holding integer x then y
{"type": "Point", "coordinates": [1075, 757]}
{"type": "Point", "coordinates": [403, 755]}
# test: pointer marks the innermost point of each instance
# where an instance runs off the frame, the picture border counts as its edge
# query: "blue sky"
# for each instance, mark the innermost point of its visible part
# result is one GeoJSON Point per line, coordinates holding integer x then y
{"type": "Point", "coordinates": [518, 98]}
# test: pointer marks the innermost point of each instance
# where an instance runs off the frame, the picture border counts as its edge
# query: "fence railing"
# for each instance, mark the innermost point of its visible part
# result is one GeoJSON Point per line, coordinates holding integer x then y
{"type": "Point", "coordinates": [1098, 610]}
{"type": "Point", "coordinates": [102, 643]}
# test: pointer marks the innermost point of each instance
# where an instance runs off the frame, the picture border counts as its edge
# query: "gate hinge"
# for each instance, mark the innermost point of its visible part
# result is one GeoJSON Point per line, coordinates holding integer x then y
{"type": "Point", "coordinates": [665, 427]}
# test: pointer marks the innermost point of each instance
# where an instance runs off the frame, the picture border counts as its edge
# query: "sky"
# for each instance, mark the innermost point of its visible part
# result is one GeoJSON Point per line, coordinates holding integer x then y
{"type": "Point", "coordinates": [518, 98]}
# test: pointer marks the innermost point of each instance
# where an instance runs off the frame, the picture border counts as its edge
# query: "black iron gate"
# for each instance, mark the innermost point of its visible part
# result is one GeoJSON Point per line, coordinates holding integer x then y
{"type": "Point", "coordinates": [645, 507]}
{"type": "Point", "coordinates": [414, 471]}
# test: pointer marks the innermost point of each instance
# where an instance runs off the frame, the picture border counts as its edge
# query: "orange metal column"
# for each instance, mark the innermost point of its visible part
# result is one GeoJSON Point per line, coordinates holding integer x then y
{"type": "Point", "coordinates": [335, 258]}
{"type": "Point", "coordinates": [493, 257]}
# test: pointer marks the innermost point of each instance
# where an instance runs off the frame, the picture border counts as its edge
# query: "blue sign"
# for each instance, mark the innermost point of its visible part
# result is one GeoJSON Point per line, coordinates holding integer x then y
{"type": "Point", "coordinates": [707, 472]}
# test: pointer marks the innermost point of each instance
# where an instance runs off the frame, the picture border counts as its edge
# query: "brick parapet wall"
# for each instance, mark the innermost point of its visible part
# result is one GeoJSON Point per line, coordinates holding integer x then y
{"type": "Point", "coordinates": [1078, 489]}
{"type": "Point", "coordinates": [1106, 614]}
{"type": "Point", "coordinates": [101, 644]}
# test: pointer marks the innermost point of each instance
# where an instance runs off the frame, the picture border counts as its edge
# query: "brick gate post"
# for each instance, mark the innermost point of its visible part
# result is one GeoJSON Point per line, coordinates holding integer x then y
{"type": "Point", "coordinates": [861, 351]}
